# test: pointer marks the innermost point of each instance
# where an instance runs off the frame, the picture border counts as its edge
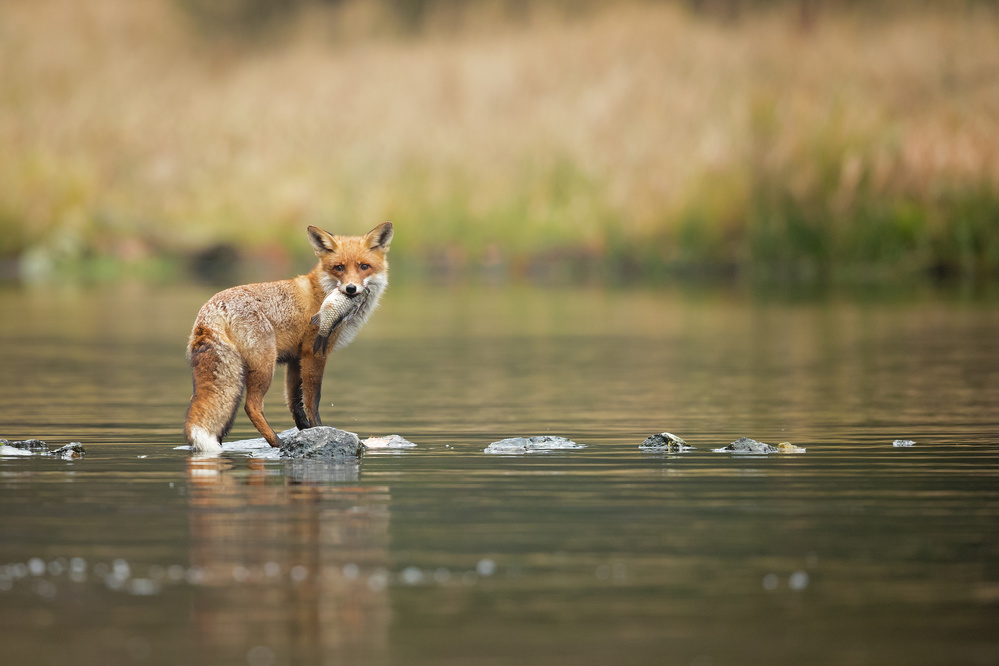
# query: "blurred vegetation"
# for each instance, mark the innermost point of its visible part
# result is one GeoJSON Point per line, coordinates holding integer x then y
{"type": "Point", "coordinates": [774, 140]}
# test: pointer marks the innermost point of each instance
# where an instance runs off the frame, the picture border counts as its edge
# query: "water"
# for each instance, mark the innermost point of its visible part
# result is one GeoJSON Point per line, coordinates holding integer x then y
{"type": "Point", "coordinates": [855, 552]}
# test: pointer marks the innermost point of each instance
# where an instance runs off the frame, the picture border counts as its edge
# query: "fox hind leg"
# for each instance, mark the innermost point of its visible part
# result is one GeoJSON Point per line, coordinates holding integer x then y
{"type": "Point", "coordinates": [258, 380]}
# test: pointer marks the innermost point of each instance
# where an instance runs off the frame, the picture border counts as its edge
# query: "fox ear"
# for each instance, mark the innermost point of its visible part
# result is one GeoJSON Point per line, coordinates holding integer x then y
{"type": "Point", "coordinates": [322, 241]}
{"type": "Point", "coordinates": [380, 237]}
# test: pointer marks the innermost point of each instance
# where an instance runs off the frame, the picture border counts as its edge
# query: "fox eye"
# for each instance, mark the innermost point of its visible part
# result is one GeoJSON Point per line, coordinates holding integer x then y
{"type": "Point", "coordinates": [364, 267]}
{"type": "Point", "coordinates": [339, 267]}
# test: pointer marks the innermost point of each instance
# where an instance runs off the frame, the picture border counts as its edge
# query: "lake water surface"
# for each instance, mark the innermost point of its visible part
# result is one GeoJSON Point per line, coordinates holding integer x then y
{"type": "Point", "coordinates": [854, 552]}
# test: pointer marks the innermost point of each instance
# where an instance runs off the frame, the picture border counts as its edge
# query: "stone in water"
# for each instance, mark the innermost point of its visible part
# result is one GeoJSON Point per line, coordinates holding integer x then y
{"type": "Point", "coordinates": [747, 445]}
{"type": "Point", "coordinates": [665, 441]}
{"type": "Point", "coordinates": [538, 443]}
{"type": "Point", "coordinates": [321, 442]}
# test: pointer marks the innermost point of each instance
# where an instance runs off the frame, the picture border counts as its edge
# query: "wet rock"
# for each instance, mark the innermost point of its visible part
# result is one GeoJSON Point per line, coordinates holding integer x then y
{"type": "Point", "coordinates": [35, 445]}
{"type": "Point", "coordinates": [903, 442]}
{"type": "Point", "coordinates": [665, 442]}
{"type": "Point", "coordinates": [71, 451]}
{"type": "Point", "coordinates": [515, 445]}
{"type": "Point", "coordinates": [388, 442]}
{"type": "Point", "coordinates": [747, 445]}
{"type": "Point", "coordinates": [321, 442]}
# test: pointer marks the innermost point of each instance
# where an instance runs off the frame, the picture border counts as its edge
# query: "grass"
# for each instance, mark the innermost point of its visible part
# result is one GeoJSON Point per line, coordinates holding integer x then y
{"type": "Point", "coordinates": [638, 140]}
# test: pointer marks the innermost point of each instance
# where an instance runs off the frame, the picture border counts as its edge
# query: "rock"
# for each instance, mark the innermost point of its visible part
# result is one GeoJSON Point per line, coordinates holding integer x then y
{"type": "Point", "coordinates": [388, 442]}
{"type": "Point", "coordinates": [27, 444]}
{"type": "Point", "coordinates": [747, 445]}
{"type": "Point", "coordinates": [788, 447]}
{"type": "Point", "coordinates": [903, 442]}
{"type": "Point", "coordinates": [515, 445]}
{"type": "Point", "coordinates": [666, 442]}
{"type": "Point", "coordinates": [321, 442]}
{"type": "Point", "coordinates": [71, 451]}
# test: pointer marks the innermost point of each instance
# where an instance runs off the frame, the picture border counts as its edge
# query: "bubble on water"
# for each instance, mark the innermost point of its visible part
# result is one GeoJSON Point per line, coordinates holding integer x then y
{"type": "Point", "coordinates": [770, 582]}
{"type": "Point", "coordinates": [36, 566]}
{"type": "Point", "coordinates": [299, 573]}
{"type": "Point", "coordinates": [77, 564]}
{"type": "Point", "coordinates": [138, 648]}
{"type": "Point", "coordinates": [143, 587]}
{"type": "Point", "coordinates": [272, 569]}
{"type": "Point", "coordinates": [240, 574]}
{"type": "Point", "coordinates": [351, 571]}
{"type": "Point", "coordinates": [442, 575]}
{"type": "Point", "coordinates": [411, 576]}
{"type": "Point", "coordinates": [78, 576]}
{"type": "Point", "coordinates": [603, 572]}
{"type": "Point", "coordinates": [45, 588]}
{"type": "Point", "coordinates": [378, 581]}
{"type": "Point", "coordinates": [55, 568]}
{"type": "Point", "coordinates": [120, 569]}
{"type": "Point", "coordinates": [195, 576]}
{"type": "Point", "coordinates": [260, 655]}
{"type": "Point", "coordinates": [19, 570]}
{"type": "Point", "coordinates": [486, 567]}
{"type": "Point", "coordinates": [798, 581]}
{"type": "Point", "coordinates": [175, 572]}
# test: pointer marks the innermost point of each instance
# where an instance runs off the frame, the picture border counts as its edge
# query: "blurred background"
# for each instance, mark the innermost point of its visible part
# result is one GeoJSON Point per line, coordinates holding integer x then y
{"type": "Point", "coordinates": [522, 140]}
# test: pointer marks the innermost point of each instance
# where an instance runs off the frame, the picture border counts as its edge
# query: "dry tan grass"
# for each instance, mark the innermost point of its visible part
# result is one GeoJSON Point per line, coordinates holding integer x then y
{"type": "Point", "coordinates": [125, 132]}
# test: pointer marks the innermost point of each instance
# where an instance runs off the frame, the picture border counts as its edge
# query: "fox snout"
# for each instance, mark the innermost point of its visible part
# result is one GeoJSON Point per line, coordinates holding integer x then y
{"type": "Point", "coordinates": [351, 289]}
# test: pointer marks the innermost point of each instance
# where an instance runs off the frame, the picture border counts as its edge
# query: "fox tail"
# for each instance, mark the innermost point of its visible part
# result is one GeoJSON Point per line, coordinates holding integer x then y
{"type": "Point", "coordinates": [219, 380]}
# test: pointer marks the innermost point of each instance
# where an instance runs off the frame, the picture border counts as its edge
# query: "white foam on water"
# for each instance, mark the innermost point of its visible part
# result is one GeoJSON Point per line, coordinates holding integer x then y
{"type": "Point", "coordinates": [14, 451]}
{"type": "Point", "coordinates": [388, 442]}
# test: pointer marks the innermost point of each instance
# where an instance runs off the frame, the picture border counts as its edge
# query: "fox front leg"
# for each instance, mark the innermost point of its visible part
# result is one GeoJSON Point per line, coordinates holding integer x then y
{"type": "Point", "coordinates": [312, 384]}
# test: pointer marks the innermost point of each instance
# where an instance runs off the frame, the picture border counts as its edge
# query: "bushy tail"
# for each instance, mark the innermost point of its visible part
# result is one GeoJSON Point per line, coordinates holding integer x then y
{"type": "Point", "coordinates": [219, 380]}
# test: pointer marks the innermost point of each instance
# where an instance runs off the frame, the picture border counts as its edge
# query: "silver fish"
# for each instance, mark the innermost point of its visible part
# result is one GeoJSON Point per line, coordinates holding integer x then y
{"type": "Point", "coordinates": [336, 309]}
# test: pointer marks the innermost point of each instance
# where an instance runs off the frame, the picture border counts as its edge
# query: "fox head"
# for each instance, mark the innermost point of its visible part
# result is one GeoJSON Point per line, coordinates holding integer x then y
{"type": "Point", "coordinates": [353, 264]}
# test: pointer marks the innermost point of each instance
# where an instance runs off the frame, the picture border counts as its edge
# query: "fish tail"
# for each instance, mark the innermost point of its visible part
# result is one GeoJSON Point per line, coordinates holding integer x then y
{"type": "Point", "coordinates": [321, 343]}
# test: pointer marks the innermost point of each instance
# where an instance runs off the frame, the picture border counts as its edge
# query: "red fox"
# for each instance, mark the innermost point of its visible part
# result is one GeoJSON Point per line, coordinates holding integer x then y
{"type": "Point", "coordinates": [241, 333]}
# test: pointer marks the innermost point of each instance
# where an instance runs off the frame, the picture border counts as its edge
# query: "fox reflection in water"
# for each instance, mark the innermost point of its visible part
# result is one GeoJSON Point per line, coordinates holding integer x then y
{"type": "Point", "coordinates": [284, 557]}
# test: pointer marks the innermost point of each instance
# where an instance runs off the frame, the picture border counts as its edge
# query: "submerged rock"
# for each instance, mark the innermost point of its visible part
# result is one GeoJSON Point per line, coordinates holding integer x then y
{"type": "Point", "coordinates": [747, 445]}
{"type": "Point", "coordinates": [321, 442]}
{"type": "Point", "coordinates": [903, 442]}
{"type": "Point", "coordinates": [71, 451]}
{"type": "Point", "coordinates": [388, 442]}
{"type": "Point", "coordinates": [666, 442]}
{"type": "Point", "coordinates": [35, 445]}
{"type": "Point", "coordinates": [515, 445]}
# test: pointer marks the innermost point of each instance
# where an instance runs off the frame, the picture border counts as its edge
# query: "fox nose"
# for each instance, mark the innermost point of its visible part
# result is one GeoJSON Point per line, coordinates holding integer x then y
{"type": "Point", "coordinates": [350, 289]}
